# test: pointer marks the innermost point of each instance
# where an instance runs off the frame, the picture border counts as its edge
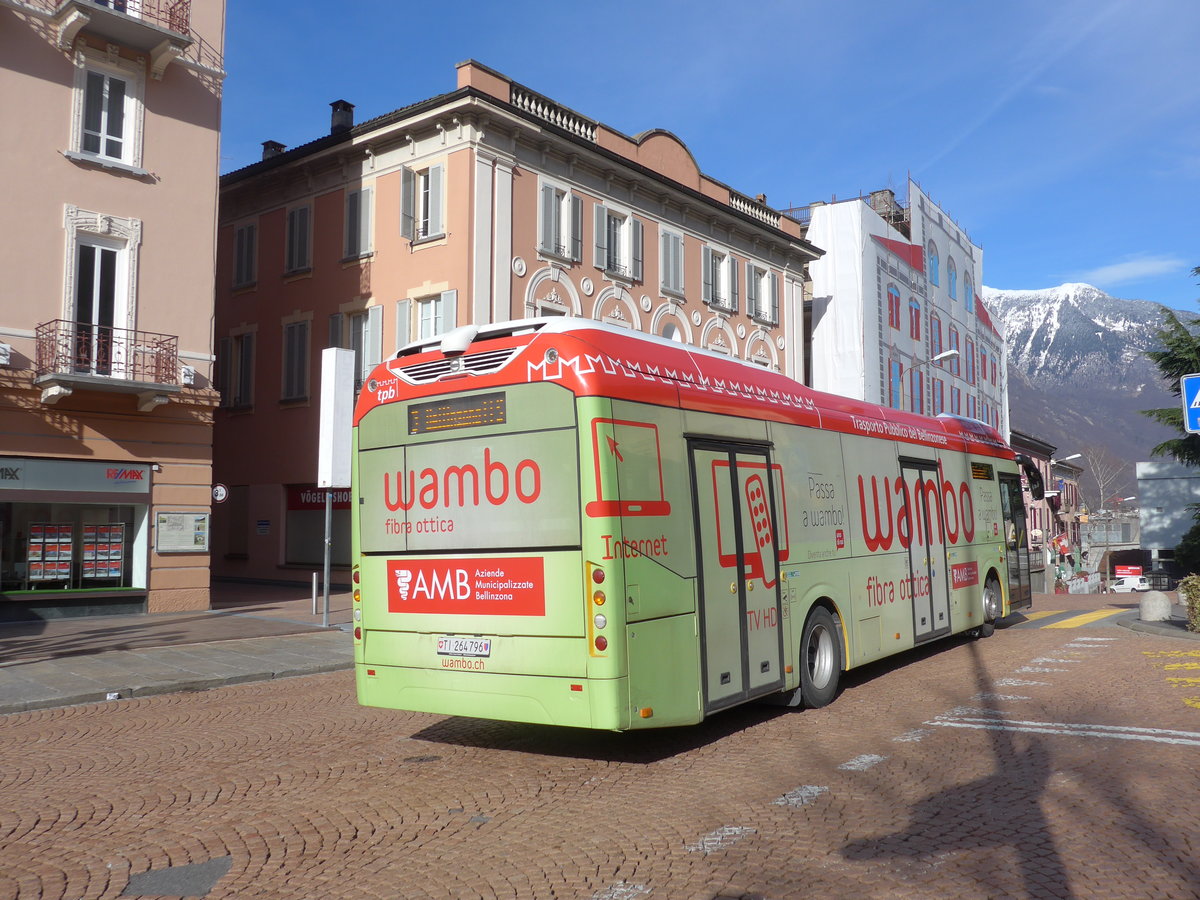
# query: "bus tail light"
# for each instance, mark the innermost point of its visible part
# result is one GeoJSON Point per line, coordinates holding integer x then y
{"type": "Point", "coordinates": [357, 633]}
{"type": "Point", "coordinates": [601, 643]}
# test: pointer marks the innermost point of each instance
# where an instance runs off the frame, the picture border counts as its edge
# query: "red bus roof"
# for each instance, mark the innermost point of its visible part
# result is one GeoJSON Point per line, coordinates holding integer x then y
{"type": "Point", "coordinates": [593, 359]}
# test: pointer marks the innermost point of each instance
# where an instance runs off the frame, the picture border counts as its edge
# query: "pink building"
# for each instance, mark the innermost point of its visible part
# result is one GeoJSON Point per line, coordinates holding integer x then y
{"type": "Point", "coordinates": [105, 317]}
{"type": "Point", "coordinates": [485, 204]}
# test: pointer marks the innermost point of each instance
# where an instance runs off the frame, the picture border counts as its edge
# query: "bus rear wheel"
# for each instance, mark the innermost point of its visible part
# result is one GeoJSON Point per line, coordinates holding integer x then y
{"type": "Point", "coordinates": [820, 659]}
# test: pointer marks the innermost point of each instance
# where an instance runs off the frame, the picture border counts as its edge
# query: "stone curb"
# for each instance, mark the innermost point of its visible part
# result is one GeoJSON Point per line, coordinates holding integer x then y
{"type": "Point", "coordinates": [1175, 627]}
{"type": "Point", "coordinates": [75, 680]}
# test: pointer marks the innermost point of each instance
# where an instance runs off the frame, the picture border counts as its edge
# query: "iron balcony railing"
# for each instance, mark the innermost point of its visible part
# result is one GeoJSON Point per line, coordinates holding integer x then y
{"type": "Point", "coordinates": [66, 348]}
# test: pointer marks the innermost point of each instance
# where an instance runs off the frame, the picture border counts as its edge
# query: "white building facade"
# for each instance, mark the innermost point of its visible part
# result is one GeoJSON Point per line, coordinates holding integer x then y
{"type": "Point", "coordinates": [898, 287]}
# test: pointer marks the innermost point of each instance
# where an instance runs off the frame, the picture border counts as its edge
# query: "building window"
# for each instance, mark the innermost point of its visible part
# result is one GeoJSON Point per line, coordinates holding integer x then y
{"type": "Point", "coordinates": [956, 401]}
{"type": "Point", "coordinates": [914, 319]}
{"type": "Point", "coordinates": [235, 371]}
{"type": "Point", "coordinates": [421, 203]}
{"type": "Point", "coordinates": [296, 252]}
{"type": "Point", "coordinates": [362, 332]}
{"type": "Point", "coordinates": [939, 396]}
{"type": "Point", "coordinates": [107, 120]}
{"type": "Point", "coordinates": [358, 223]}
{"type": "Point", "coordinates": [426, 317]}
{"type": "Point", "coordinates": [560, 229]}
{"type": "Point", "coordinates": [969, 292]}
{"type": "Point", "coordinates": [762, 294]}
{"type": "Point", "coordinates": [720, 279]}
{"type": "Point", "coordinates": [952, 277]}
{"type": "Point", "coordinates": [671, 266]}
{"type": "Point", "coordinates": [245, 252]}
{"type": "Point", "coordinates": [895, 384]}
{"type": "Point", "coordinates": [971, 406]}
{"type": "Point", "coordinates": [893, 302]}
{"type": "Point", "coordinates": [935, 337]}
{"type": "Point", "coordinates": [933, 259]}
{"type": "Point", "coordinates": [983, 364]}
{"type": "Point", "coordinates": [993, 371]}
{"type": "Point", "coordinates": [954, 367]}
{"type": "Point", "coordinates": [619, 242]}
{"type": "Point", "coordinates": [970, 354]}
{"type": "Point", "coordinates": [295, 361]}
{"type": "Point", "coordinates": [916, 390]}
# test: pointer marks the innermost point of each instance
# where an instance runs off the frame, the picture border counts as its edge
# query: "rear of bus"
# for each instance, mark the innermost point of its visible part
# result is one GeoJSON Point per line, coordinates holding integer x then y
{"type": "Point", "coordinates": [472, 596]}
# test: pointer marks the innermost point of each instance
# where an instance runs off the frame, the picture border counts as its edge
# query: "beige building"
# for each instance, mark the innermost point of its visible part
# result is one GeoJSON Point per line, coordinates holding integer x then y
{"type": "Point", "coordinates": [106, 404]}
{"type": "Point", "coordinates": [488, 203]}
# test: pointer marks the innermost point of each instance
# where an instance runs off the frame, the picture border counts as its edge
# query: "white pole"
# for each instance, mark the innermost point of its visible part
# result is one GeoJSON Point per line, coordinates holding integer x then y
{"type": "Point", "coordinates": [314, 592]}
{"type": "Point", "coordinates": [328, 549]}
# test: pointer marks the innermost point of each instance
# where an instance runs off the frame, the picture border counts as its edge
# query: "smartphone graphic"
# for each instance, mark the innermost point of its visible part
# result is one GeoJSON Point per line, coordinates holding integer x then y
{"type": "Point", "coordinates": [630, 452]}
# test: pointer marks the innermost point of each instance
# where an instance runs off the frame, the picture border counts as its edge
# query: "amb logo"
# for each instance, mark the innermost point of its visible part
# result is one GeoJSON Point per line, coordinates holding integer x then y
{"type": "Point", "coordinates": [950, 511]}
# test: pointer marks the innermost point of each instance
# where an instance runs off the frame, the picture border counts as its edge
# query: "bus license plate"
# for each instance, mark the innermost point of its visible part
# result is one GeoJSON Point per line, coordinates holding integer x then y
{"type": "Point", "coordinates": [449, 645]}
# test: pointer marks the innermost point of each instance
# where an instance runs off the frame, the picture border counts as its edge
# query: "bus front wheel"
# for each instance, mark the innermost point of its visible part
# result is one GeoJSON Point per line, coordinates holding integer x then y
{"type": "Point", "coordinates": [820, 659]}
{"type": "Point", "coordinates": [993, 602]}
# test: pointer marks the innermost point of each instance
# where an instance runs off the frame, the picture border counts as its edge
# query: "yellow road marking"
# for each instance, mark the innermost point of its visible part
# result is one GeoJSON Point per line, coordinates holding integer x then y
{"type": "Point", "coordinates": [1175, 654]}
{"type": "Point", "coordinates": [1195, 665]}
{"type": "Point", "coordinates": [1034, 616]}
{"type": "Point", "coordinates": [1183, 681]}
{"type": "Point", "coordinates": [1193, 702]}
{"type": "Point", "coordinates": [1086, 618]}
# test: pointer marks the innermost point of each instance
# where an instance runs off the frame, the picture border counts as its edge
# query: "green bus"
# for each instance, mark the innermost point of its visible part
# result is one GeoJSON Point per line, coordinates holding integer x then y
{"type": "Point", "coordinates": [563, 522]}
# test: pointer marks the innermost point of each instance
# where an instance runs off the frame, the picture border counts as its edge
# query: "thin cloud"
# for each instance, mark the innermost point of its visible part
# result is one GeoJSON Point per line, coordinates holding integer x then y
{"type": "Point", "coordinates": [1132, 270]}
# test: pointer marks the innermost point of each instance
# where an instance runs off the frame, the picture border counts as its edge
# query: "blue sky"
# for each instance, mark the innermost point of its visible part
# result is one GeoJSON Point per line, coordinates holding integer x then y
{"type": "Point", "coordinates": [1063, 136]}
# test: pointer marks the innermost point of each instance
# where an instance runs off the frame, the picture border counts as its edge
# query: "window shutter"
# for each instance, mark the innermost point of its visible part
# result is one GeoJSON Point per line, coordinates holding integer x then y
{"type": "Point", "coordinates": [335, 330]}
{"type": "Point", "coordinates": [667, 261]}
{"type": "Point", "coordinates": [364, 220]}
{"type": "Point", "coordinates": [353, 202]}
{"type": "Point", "coordinates": [403, 322]}
{"type": "Point", "coordinates": [449, 310]}
{"type": "Point", "coordinates": [408, 191]}
{"type": "Point", "coordinates": [245, 380]}
{"type": "Point", "coordinates": [774, 314]}
{"type": "Point", "coordinates": [601, 237]}
{"type": "Point", "coordinates": [224, 367]}
{"type": "Point", "coordinates": [374, 342]}
{"type": "Point", "coordinates": [547, 239]}
{"type": "Point", "coordinates": [638, 247]}
{"type": "Point", "coordinates": [752, 291]}
{"type": "Point", "coordinates": [435, 200]}
{"type": "Point", "coordinates": [733, 282]}
{"type": "Point", "coordinates": [706, 266]}
{"type": "Point", "coordinates": [576, 229]}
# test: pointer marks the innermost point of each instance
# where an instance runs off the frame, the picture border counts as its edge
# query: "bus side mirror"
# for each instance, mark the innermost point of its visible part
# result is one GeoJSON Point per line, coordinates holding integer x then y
{"type": "Point", "coordinates": [1037, 487]}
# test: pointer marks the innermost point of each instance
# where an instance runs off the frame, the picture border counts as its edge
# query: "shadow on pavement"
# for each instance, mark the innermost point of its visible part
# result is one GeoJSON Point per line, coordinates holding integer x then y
{"type": "Point", "coordinates": [1002, 810]}
{"type": "Point", "coordinates": [650, 746]}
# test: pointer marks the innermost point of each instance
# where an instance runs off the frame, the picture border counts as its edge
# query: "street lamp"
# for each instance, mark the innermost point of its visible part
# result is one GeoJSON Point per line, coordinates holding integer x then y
{"type": "Point", "coordinates": [945, 354]}
{"type": "Point", "coordinates": [1065, 458]}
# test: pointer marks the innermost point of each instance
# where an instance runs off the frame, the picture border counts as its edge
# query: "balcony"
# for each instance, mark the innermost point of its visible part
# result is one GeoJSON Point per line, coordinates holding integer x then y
{"type": "Point", "coordinates": [73, 356]}
{"type": "Point", "coordinates": [160, 28]}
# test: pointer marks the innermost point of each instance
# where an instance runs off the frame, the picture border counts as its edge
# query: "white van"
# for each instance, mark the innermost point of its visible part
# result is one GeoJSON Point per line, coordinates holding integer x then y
{"type": "Point", "coordinates": [1128, 583]}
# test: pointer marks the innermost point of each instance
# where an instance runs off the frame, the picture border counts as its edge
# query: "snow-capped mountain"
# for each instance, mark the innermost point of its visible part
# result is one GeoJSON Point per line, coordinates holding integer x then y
{"type": "Point", "coordinates": [1078, 374]}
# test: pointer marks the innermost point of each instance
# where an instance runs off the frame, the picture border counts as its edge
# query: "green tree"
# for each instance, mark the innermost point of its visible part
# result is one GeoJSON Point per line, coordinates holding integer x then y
{"type": "Point", "coordinates": [1178, 356]}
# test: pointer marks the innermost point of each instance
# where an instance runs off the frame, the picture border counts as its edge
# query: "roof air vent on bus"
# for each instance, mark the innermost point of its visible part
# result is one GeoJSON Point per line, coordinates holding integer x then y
{"type": "Point", "coordinates": [457, 341]}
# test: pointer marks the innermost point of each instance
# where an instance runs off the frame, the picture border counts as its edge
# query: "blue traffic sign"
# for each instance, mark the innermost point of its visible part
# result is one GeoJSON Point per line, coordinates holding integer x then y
{"type": "Point", "coordinates": [1189, 391]}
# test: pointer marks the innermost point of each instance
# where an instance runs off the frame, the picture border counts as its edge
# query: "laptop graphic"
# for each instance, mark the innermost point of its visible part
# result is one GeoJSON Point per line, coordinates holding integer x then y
{"type": "Point", "coordinates": [632, 448]}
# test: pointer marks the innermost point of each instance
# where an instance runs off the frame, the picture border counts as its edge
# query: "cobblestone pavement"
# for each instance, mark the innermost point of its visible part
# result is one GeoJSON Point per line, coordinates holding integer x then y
{"type": "Point", "coordinates": [1036, 763]}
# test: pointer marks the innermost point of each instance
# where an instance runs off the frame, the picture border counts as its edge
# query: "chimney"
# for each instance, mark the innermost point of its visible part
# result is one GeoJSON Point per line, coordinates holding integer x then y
{"type": "Point", "coordinates": [272, 148]}
{"type": "Point", "coordinates": [342, 118]}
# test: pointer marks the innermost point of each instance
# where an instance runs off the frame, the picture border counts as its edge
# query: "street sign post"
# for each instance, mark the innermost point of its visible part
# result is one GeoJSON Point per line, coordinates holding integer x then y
{"type": "Point", "coordinates": [1189, 392]}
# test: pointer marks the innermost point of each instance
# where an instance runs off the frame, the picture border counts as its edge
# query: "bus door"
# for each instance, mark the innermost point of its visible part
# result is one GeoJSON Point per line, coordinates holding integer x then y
{"type": "Point", "coordinates": [1016, 539]}
{"type": "Point", "coordinates": [741, 638]}
{"type": "Point", "coordinates": [925, 521]}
